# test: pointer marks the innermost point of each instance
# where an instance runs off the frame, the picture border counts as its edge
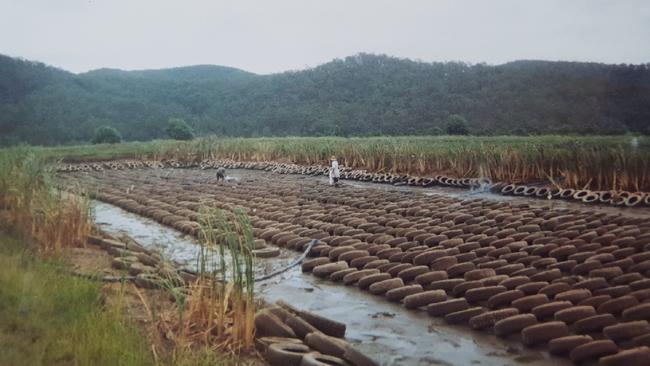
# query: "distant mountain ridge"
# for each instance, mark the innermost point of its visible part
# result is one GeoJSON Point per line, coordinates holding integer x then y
{"type": "Point", "coordinates": [360, 95]}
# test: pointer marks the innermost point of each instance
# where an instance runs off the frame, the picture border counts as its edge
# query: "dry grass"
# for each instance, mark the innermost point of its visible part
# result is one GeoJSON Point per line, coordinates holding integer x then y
{"type": "Point", "coordinates": [34, 207]}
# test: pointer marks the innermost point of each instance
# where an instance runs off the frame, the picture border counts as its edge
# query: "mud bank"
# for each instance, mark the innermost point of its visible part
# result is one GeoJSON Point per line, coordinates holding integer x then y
{"type": "Point", "coordinates": [383, 329]}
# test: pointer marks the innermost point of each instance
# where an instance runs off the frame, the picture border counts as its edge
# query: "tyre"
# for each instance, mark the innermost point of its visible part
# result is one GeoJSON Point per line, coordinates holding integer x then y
{"type": "Point", "coordinates": [308, 265]}
{"type": "Point", "coordinates": [548, 310]}
{"type": "Point", "coordinates": [338, 275]}
{"type": "Point", "coordinates": [594, 323]}
{"type": "Point", "coordinates": [564, 345]}
{"type": "Point", "coordinates": [637, 312]}
{"type": "Point", "coordinates": [443, 264]}
{"type": "Point", "coordinates": [592, 284]}
{"type": "Point", "coordinates": [446, 285]}
{"type": "Point", "coordinates": [642, 340]}
{"type": "Point", "coordinates": [627, 330]}
{"type": "Point", "coordinates": [397, 294]}
{"type": "Point", "coordinates": [365, 282]}
{"type": "Point", "coordinates": [354, 277]}
{"type": "Point", "coordinates": [483, 293]}
{"type": "Point", "coordinates": [327, 326]}
{"type": "Point", "coordinates": [324, 270]}
{"type": "Point", "coordinates": [317, 359]}
{"type": "Point", "coordinates": [618, 305]}
{"type": "Point", "coordinates": [544, 332]}
{"type": "Point", "coordinates": [411, 273]}
{"type": "Point", "coordinates": [427, 278]}
{"type": "Point", "coordinates": [263, 343]}
{"type": "Point", "coordinates": [504, 298]}
{"type": "Point", "coordinates": [458, 270]}
{"type": "Point", "coordinates": [326, 344]}
{"type": "Point", "coordinates": [575, 296]}
{"type": "Point", "coordinates": [489, 318]}
{"type": "Point", "coordinates": [512, 282]}
{"type": "Point", "coordinates": [462, 287]}
{"type": "Point", "coordinates": [299, 326]}
{"type": "Point", "coordinates": [514, 324]}
{"type": "Point", "coordinates": [381, 287]}
{"type": "Point", "coordinates": [527, 303]}
{"type": "Point", "coordinates": [639, 356]}
{"type": "Point", "coordinates": [286, 354]}
{"type": "Point", "coordinates": [424, 298]}
{"type": "Point", "coordinates": [448, 306]}
{"type": "Point", "coordinates": [463, 316]}
{"type": "Point", "coordinates": [595, 301]}
{"type": "Point", "coordinates": [532, 288]}
{"type": "Point", "coordinates": [593, 350]}
{"type": "Point", "coordinates": [352, 254]}
{"type": "Point", "coordinates": [554, 288]}
{"type": "Point", "coordinates": [575, 313]}
{"type": "Point", "coordinates": [268, 324]}
{"type": "Point", "coordinates": [478, 274]}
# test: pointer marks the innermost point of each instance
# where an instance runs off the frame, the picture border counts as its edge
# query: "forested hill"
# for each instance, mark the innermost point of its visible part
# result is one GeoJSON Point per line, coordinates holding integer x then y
{"type": "Point", "coordinates": [359, 95]}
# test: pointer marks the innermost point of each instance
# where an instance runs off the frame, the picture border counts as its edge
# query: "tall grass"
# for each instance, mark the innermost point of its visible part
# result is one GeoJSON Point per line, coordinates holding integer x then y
{"type": "Point", "coordinates": [597, 162]}
{"type": "Point", "coordinates": [34, 207]}
{"type": "Point", "coordinates": [219, 308]}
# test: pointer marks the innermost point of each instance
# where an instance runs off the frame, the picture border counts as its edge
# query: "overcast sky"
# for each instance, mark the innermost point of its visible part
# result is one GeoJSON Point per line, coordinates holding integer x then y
{"type": "Point", "coordinates": [268, 36]}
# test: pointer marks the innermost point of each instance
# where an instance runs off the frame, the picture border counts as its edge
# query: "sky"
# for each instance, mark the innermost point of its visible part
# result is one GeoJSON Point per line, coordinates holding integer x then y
{"type": "Point", "coordinates": [268, 36]}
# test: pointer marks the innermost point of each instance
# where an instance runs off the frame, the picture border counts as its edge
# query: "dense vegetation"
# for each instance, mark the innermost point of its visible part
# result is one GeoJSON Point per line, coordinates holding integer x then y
{"type": "Point", "coordinates": [597, 162]}
{"type": "Point", "coordinates": [359, 95]}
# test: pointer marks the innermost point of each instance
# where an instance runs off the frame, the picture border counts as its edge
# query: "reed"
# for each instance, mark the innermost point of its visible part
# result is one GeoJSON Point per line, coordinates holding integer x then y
{"type": "Point", "coordinates": [219, 307]}
{"type": "Point", "coordinates": [33, 207]}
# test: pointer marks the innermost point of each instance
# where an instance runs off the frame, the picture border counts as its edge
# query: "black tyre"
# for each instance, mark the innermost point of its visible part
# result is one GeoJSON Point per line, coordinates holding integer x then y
{"type": "Point", "coordinates": [397, 294]}
{"type": "Point", "coordinates": [514, 324]}
{"type": "Point", "coordinates": [268, 324]}
{"type": "Point", "coordinates": [527, 303]}
{"type": "Point", "coordinates": [286, 354]}
{"type": "Point", "coordinates": [627, 330]}
{"type": "Point", "coordinates": [565, 345]}
{"type": "Point", "coordinates": [489, 318]}
{"type": "Point", "coordinates": [381, 287]}
{"type": "Point", "coordinates": [424, 298]}
{"type": "Point", "coordinates": [594, 323]}
{"type": "Point", "coordinates": [448, 306]}
{"type": "Point", "coordinates": [544, 332]}
{"type": "Point", "coordinates": [463, 316]}
{"type": "Point", "coordinates": [326, 344]}
{"type": "Point", "coordinates": [593, 350]}
{"type": "Point", "coordinates": [639, 356]}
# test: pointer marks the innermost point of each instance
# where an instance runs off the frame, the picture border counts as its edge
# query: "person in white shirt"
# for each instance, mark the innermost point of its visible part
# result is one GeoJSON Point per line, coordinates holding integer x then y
{"type": "Point", "coordinates": [334, 172]}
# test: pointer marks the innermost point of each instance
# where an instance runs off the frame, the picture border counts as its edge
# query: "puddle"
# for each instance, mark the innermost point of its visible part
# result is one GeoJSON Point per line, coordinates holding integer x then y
{"type": "Point", "coordinates": [388, 332]}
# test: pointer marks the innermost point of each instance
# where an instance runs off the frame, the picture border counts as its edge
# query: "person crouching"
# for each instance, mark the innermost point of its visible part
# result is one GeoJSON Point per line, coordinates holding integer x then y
{"type": "Point", "coordinates": [221, 173]}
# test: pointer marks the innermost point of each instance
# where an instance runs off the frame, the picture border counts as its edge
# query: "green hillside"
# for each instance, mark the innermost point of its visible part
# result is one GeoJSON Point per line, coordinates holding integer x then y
{"type": "Point", "coordinates": [356, 96]}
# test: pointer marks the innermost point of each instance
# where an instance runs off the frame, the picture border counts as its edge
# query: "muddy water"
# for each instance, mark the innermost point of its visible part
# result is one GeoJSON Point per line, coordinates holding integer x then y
{"type": "Point", "coordinates": [387, 331]}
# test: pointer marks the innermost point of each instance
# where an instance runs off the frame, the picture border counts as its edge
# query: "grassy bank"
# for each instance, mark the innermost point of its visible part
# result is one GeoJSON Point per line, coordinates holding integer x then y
{"type": "Point", "coordinates": [597, 162]}
{"type": "Point", "coordinates": [51, 318]}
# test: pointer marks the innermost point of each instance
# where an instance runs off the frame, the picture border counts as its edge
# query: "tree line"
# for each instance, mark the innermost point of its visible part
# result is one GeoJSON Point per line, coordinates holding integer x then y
{"type": "Point", "coordinates": [360, 95]}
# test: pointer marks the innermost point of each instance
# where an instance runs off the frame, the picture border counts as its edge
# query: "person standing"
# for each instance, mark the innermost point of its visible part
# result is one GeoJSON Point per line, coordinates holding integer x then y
{"type": "Point", "coordinates": [334, 172]}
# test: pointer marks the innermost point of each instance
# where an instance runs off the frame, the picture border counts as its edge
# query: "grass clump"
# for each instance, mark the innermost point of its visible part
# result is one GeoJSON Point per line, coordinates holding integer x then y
{"type": "Point", "coordinates": [48, 317]}
{"type": "Point", "coordinates": [34, 208]}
